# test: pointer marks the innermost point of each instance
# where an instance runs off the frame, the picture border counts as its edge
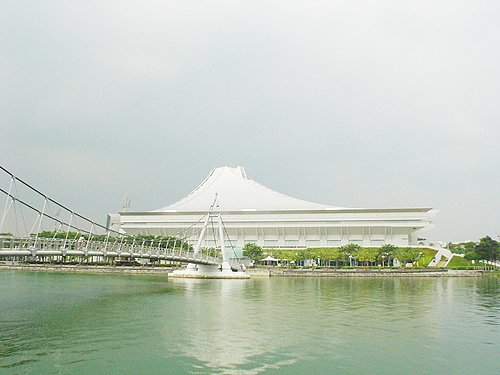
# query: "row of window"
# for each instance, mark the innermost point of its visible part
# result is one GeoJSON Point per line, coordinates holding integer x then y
{"type": "Point", "coordinates": [308, 243]}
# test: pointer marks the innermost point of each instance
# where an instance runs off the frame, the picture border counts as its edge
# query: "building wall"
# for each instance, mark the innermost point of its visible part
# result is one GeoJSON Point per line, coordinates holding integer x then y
{"type": "Point", "coordinates": [287, 229]}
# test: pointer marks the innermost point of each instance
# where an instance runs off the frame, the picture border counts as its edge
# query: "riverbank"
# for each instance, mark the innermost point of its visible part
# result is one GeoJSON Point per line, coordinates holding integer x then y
{"type": "Point", "coordinates": [87, 269]}
{"type": "Point", "coordinates": [361, 272]}
{"type": "Point", "coordinates": [253, 272]}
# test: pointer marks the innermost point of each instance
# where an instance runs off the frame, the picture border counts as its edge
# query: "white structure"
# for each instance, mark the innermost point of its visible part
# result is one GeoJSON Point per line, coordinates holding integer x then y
{"type": "Point", "coordinates": [224, 271]}
{"type": "Point", "coordinates": [256, 214]}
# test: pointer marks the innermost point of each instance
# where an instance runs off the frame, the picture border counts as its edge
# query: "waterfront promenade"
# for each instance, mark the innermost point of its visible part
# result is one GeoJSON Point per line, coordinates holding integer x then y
{"type": "Point", "coordinates": [253, 272]}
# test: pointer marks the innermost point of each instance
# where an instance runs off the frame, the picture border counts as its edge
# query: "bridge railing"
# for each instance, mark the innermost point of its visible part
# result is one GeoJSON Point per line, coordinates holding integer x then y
{"type": "Point", "coordinates": [103, 248]}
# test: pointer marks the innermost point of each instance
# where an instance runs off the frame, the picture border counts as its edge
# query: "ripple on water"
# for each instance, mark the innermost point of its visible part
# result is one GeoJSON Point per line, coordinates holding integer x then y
{"type": "Point", "coordinates": [287, 325]}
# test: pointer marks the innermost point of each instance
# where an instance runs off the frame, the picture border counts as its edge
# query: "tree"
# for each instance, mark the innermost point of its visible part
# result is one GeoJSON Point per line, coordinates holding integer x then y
{"type": "Point", "coordinates": [405, 255]}
{"type": "Point", "coordinates": [366, 255]}
{"type": "Point", "coordinates": [252, 251]}
{"type": "Point", "coordinates": [329, 254]}
{"type": "Point", "coordinates": [348, 251]}
{"type": "Point", "coordinates": [386, 254]}
{"type": "Point", "coordinates": [462, 247]}
{"type": "Point", "coordinates": [487, 249]}
{"type": "Point", "coordinates": [471, 255]}
{"type": "Point", "coordinates": [335, 254]}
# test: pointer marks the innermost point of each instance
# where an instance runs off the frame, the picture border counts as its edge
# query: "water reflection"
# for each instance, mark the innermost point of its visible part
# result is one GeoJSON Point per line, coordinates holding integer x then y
{"type": "Point", "coordinates": [52, 323]}
{"type": "Point", "coordinates": [256, 325]}
{"type": "Point", "coordinates": [488, 290]}
{"type": "Point", "coordinates": [225, 332]}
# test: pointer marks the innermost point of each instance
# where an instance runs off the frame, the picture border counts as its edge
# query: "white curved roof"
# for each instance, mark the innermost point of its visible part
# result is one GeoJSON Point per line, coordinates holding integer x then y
{"type": "Point", "coordinates": [237, 192]}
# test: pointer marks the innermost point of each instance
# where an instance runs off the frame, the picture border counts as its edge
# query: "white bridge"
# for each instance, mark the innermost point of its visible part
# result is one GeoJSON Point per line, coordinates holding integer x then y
{"type": "Point", "coordinates": [77, 237]}
{"type": "Point", "coordinates": [52, 247]}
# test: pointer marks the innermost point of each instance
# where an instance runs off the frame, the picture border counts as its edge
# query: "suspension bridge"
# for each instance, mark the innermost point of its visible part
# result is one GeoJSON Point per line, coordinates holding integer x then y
{"type": "Point", "coordinates": [29, 213]}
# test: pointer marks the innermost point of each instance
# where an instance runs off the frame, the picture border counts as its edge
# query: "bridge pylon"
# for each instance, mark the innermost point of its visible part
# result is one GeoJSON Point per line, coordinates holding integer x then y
{"type": "Point", "coordinates": [209, 271]}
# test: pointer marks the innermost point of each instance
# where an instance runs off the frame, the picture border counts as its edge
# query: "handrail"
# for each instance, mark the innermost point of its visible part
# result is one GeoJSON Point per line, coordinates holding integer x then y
{"type": "Point", "coordinates": [18, 246]}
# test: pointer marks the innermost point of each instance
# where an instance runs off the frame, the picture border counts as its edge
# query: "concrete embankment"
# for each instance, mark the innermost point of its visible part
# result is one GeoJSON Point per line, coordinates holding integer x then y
{"type": "Point", "coordinates": [87, 269]}
{"type": "Point", "coordinates": [253, 272]}
{"type": "Point", "coordinates": [281, 272]}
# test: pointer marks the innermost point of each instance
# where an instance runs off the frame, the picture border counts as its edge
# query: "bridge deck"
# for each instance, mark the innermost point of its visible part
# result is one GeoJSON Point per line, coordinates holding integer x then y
{"type": "Point", "coordinates": [10, 246]}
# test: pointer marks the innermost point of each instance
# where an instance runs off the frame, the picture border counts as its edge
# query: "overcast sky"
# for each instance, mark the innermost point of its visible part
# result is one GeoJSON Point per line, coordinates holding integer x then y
{"type": "Point", "coordinates": [384, 103]}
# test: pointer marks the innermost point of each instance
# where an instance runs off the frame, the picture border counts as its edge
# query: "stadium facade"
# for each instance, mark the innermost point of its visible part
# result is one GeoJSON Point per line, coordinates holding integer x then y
{"type": "Point", "coordinates": [253, 213]}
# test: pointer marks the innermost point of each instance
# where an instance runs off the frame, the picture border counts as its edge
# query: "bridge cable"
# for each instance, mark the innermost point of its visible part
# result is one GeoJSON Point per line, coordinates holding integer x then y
{"type": "Point", "coordinates": [52, 200]}
{"type": "Point", "coordinates": [230, 243]}
{"type": "Point", "coordinates": [41, 214]}
{"type": "Point", "coordinates": [7, 205]}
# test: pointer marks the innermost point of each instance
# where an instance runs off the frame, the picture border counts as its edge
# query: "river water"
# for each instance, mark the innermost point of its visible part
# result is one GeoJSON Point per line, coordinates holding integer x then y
{"type": "Point", "coordinates": [55, 323]}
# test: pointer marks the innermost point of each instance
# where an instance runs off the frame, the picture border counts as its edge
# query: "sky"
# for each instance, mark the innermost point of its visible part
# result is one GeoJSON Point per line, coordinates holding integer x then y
{"type": "Point", "coordinates": [358, 103]}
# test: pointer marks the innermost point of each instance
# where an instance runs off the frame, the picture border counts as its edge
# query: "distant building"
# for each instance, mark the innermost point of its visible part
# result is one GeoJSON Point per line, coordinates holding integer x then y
{"type": "Point", "coordinates": [253, 213]}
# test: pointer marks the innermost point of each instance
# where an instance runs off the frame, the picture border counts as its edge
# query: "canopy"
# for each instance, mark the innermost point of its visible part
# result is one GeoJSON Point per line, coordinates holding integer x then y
{"type": "Point", "coordinates": [269, 258]}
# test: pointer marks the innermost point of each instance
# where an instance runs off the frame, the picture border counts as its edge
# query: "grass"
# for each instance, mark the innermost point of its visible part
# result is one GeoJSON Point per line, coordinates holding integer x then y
{"type": "Point", "coordinates": [459, 262]}
{"type": "Point", "coordinates": [462, 262]}
{"type": "Point", "coordinates": [427, 256]}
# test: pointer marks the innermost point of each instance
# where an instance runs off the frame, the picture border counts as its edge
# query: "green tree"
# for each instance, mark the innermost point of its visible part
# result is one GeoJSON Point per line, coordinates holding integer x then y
{"type": "Point", "coordinates": [366, 255]}
{"type": "Point", "coordinates": [487, 249]}
{"type": "Point", "coordinates": [327, 254]}
{"type": "Point", "coordinates": [386, 254]}
{"type": "Point", "coordinates": [252, 251]}
{"type": "Point", "coordinates": [462, 247]}
{"type": "Point", "coordinates": [349, 251]}
{"type": "Point", "coordinates": [471, 255]}
{"type": "Point", "coordinates": [405, 255]}
{"type": "Point", "coordinates": [301, 255]}
{"type": "Point", "coordinates": [335, 254]}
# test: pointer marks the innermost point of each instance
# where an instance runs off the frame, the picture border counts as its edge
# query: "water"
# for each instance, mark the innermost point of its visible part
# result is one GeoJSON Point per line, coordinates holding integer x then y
{"type": "Point", "coordinates": [54, 323]}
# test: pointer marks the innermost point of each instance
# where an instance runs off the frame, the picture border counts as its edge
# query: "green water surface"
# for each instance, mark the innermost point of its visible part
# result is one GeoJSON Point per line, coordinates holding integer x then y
{"type": "Point", "coordinates": [55, 323]}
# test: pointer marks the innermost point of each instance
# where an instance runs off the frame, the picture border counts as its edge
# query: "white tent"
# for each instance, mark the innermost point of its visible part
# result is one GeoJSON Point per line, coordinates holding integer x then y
{"type": "Point", "coordinates": [269, 258]}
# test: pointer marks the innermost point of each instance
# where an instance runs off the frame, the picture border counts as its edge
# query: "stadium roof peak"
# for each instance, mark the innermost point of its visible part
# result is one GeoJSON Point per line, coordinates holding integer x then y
{"type": "Point", "coordinates": [237, 192]}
